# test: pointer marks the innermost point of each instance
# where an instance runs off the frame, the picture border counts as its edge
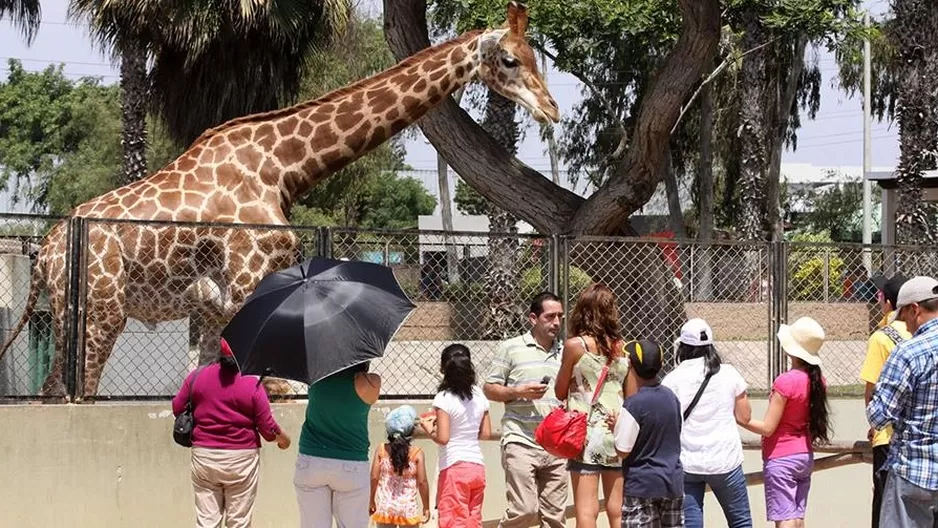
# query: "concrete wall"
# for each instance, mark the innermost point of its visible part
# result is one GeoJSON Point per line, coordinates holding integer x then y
{"type": "Point", "coordinates": [115, 465]}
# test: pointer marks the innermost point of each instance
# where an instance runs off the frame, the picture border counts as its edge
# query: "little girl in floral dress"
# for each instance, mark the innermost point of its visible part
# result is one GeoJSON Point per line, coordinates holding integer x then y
{"type": "Point", "coordinates": [398, 474]}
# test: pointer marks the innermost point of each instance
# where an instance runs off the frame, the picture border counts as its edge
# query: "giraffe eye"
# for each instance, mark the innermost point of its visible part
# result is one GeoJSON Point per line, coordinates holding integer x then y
{"type": "Point", "coordinates": [510, 62]}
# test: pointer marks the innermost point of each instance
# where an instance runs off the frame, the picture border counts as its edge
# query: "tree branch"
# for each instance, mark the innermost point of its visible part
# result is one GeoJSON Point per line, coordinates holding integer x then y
{"type": "Point", "coordinates": [635, 179]}
{"type": "Point", "coordinates": [713, 75]}
{"type": "Point", "coordinates": [472, 153]}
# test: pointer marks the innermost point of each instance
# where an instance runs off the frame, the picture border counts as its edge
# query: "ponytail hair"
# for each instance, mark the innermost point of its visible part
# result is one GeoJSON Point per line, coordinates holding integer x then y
{"type": "Point", "coordinates": [459, 376]}
{"type": "Point", "coordinates": [228, 364]}
{"type": "Point", "coordinates": [399, 450]}
{"type": "Point", "coordinates": [712, 360]}
{"type": "Point", "coordinates": [819, 425]}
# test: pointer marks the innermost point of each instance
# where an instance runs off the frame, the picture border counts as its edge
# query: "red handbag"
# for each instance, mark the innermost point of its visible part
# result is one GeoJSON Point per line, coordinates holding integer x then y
{"type": "Point", "coordinates": [562, 433]}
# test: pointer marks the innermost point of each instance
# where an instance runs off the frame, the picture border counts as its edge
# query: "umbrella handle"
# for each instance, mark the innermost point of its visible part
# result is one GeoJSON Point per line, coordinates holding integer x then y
{"type": "Point", "coordinates": [267, 372]}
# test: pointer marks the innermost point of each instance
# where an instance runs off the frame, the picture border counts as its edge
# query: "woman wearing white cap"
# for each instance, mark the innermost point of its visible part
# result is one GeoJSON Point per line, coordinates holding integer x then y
{"type": "Point", "coordinates": [713, 398]}
{"type": "Point", "coordinates": [797, 419]}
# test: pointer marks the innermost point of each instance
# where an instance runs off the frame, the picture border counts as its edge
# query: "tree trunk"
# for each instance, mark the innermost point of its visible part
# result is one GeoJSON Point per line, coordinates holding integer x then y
{"type": "Point", "coordinates": [705, 196]}
{"type": "Point", "coordinates": [135, 95]}
{"type": "Point", "coordinates": [501, 178]}
{"type": "Point", "coordinates": [752, 131]}
{"type": "Point", "coordinates": [916, 39]}
{"type": "Point", "coordinates": [673, 192]}
{"type": "Point", "coordinates": [501, 278]}
{"type": "Point", "coordinates": [446, 212]}
{"type": "Point", "coordinates": [783, 97]}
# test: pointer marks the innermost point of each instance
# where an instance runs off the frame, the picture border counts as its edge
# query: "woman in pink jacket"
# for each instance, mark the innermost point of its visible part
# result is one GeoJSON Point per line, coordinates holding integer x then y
{"type": "Point", "coordinates": [231, 414]}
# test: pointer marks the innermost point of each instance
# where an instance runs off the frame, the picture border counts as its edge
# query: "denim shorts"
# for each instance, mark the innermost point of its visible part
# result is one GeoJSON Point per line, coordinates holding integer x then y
{"type": "Point", "coordinates": [575, 466]}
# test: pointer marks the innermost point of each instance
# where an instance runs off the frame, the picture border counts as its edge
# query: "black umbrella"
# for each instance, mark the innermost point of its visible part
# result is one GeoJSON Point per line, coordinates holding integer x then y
{"type": "Point", "coordinates": [317, 318]}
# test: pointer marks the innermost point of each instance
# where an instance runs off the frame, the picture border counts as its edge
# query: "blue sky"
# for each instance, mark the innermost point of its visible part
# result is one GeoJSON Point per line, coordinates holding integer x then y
{"type": "Point", "coordinates": [834, 138]}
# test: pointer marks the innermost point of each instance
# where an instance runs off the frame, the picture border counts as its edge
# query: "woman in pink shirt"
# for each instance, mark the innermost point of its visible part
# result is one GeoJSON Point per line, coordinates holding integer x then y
{"type": "Point", "coordinates": [797, 419]}
{"type": "Point", "coordinates": [231, 413]}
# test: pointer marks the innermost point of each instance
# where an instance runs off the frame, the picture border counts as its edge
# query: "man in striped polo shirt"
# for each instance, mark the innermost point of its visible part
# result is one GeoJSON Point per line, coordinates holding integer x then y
{"type": "Point", "coordinates": [522, 371]}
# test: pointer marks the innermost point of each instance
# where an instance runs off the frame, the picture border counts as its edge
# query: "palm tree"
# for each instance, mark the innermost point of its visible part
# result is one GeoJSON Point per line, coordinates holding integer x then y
{"type": "Point", "coordinates": [25, 14]}
{"type": "Point", "coordinates": [209, 60]}
{"type": "Point", "coordinates": [916, 44]}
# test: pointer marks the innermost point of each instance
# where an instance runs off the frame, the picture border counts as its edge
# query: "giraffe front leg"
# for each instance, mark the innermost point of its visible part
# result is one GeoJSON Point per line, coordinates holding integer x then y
{"type": "Point", "coordinates": [104, 325]}
{"type": "Point", "coordinates": [54, 385]}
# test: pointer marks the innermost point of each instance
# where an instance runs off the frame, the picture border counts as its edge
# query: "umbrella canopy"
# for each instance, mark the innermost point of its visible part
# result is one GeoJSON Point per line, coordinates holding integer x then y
{"type": "Point", "coordinates": [317, 318]}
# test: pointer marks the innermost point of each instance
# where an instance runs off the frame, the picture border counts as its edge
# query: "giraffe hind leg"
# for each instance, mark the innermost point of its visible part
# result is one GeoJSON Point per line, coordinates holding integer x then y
{"type": "Point", "coordinates": [54, 384]}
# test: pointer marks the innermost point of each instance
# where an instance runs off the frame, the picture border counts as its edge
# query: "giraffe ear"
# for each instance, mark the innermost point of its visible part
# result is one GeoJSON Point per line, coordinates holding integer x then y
{"type": "Point", "coordinates": [517, 18]}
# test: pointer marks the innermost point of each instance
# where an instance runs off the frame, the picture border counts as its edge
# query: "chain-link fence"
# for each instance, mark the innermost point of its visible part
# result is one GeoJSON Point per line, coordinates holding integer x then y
{"type": "Point", "coordinates": [470, 288]}
{"type": "Point", "coordinates": [831, 283]}
{"type": "Point", "coordinates": [130, 307]}
{"type": "Point", "coordinates": [27, 359]}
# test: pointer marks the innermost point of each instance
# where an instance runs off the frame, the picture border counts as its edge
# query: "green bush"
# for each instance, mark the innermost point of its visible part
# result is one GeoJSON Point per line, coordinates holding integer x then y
{"type": "Point", "coordinates": [808, 265]}
{"type": "Point", "coordinates": [532, 282]}
{"type": "Point", "coordinates": [463, 291]}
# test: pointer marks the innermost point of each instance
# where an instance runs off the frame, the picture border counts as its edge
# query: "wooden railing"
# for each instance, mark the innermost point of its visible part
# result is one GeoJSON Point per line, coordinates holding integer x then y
{"type": "Point", "coordinates": [839, 453]}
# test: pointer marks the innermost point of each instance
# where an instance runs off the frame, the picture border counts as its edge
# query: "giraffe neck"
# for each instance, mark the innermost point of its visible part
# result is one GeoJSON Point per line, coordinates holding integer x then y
{"type": "Point", "coordinates": [319, 137]}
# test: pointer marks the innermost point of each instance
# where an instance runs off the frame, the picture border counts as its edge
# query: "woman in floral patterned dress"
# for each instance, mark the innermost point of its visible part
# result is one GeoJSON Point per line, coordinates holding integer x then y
{"type": "Point", "coordinates": [594, 343]}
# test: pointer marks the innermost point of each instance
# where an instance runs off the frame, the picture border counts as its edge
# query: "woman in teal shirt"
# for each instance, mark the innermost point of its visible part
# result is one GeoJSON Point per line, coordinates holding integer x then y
{"type": "Point", "coordinates": [332, 478]}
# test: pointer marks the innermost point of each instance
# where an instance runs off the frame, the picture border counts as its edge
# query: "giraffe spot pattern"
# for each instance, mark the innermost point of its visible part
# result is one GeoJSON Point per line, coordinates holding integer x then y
{"type": "Point", "coordinates": [290, 151]}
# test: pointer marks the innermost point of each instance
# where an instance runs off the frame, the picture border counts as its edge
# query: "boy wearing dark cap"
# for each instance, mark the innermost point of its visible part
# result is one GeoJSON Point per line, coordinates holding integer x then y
{"type": "Point", "coordinates": [648, 438]}
{"type": "Point", "coordinates": [880, 345]}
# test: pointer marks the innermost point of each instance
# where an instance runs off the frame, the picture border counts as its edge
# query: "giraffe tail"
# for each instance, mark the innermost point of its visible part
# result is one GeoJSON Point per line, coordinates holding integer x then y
{"type": "Point", "coordinates": [36, 283]}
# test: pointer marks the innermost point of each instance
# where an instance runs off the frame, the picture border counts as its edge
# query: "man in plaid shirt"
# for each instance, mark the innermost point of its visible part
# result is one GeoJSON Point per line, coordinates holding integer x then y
{"type": "Point", "coordinates": [906, 397]}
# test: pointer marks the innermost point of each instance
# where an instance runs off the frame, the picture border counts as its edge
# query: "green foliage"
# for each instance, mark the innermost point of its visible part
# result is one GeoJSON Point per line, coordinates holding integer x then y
{"type": "Point", "coordinates": [60, 144]}
{"type": "Point", "coordinates": [827, 21]}
{"type": "Point", "coordinates": [836, 209]}
{"type": "Point", "coordinates": [532, 282]}
{"type": "Point", "coordinates": [34, 109]}
{"type": "Point", "coordinates": [812, 265]}
{"type": "Point", "coordinates": [396, 202]}
{"type": "Point", "coordinates": [468, 201]}
{"type": "Point", "coordinates": [885, 68]}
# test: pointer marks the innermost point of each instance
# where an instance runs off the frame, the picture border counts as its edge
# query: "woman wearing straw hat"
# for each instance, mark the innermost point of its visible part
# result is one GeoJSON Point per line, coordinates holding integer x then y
{"type": "Point", "coordinates": [797, 419]}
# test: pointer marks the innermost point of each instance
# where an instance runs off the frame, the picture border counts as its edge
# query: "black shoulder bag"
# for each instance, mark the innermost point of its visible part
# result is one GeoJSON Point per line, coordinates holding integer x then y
{"type": "Point", "coordinates": [184, 423]}
{"type": "Point", "coordinates": [697, 396]}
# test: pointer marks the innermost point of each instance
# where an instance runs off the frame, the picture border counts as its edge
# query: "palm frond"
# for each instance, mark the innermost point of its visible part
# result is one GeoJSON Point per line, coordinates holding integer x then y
{"type": "Point", "coordinates": [25, 15]}
{"type": "Point", "coordinates": [213, 60]}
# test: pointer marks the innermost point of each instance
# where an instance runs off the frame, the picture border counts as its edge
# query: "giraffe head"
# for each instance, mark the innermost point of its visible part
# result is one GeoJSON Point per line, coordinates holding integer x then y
{"type": "Point", "coordinates": [509, 67]}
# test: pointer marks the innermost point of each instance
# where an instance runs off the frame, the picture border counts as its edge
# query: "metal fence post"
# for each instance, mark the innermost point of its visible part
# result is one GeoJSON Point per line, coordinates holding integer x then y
{"type": "Point", "coordinates": [778, 306]}
{"type": "Point", "coordinates": [564, 280]}
{"type": "Point", "coordinates": [554, 265]}
{"type": "Point", "coordinates": [324, 242]}
{"type": "Point", "coordinates": [75, 313]}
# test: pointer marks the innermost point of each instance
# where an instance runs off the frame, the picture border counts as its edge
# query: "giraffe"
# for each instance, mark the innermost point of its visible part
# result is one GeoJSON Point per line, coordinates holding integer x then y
{"type": "Point", "coordinates": [250, 170]}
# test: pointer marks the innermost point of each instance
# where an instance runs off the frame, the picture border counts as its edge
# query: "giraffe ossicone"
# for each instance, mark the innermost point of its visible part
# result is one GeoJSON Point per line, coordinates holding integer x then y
{"type": "Point", "coordinates": [250, 170]}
